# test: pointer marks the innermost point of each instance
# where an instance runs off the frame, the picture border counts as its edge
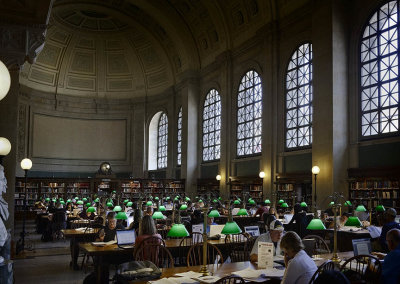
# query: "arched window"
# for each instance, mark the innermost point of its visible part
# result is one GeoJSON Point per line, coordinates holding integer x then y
{"type": "Point", "coordinates": [162, 142]}
{"type": "Point", "coordinates": [299, 96]}
{"type": "Point", "coordinates": [380, 73]}
{"type": "Point", "coordinates": [179, 138]}
{"type": "Point", "coordinates": [249, 115]}
{"type": "Point", "coordinates": [212, 126]}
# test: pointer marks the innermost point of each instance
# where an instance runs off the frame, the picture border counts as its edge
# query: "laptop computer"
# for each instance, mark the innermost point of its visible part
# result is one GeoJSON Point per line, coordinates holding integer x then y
{"type": "Point", "coordinates": [126, 238]}
{"type": "Point", "coordinates": [254, 231]}
{"type": "Point", "coordinates": [216, 230]}
{"type": "Point", "coordinates": [361, 246]}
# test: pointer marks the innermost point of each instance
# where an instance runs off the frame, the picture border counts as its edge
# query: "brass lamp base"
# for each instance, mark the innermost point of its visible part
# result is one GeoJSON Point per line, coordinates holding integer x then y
{"type": "Point", "coordinates": [204, 270]}
{"type": "Point", "coordinates": [335, 258]}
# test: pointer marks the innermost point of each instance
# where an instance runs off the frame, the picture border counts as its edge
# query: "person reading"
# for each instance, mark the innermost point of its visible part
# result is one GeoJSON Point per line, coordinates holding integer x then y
{"type": "Point", "coordinates": [274, 235]}
{"type": "Point", "coordinates": [110, 229]}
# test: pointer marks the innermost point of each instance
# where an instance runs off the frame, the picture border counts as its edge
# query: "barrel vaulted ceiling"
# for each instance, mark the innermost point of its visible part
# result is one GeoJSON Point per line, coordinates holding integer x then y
{"type": "Point", "coordinates": [118, 49]}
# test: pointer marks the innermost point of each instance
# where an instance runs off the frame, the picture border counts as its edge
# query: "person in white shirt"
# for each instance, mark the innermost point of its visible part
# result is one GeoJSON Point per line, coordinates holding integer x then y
{"type": "Point", "coordinates": [274, 236]}
{"type": "Point", "coordinates": [299, 266]}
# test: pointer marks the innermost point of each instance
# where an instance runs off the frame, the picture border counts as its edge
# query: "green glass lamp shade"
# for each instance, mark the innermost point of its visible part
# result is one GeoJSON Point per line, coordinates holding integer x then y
{"type": "Point", "coordinates": [252, 202]}
{"type": "Point", "coordinates": [281, 201]}
{"type": "Point", "coordinates": [267, 201]}
{"type": "Point", "coordinates": [348, 203]}
{"type": "Point", "coordinates": [332, 203]}
{"type": "Point", "coordinates": [242, 212]}
{"type": "Point", "coordinates": [109, 204]}
{"type": "Point", "coordinates": [176, 198]}
{"type": "Point", "coordinates": [361, 208]}
{"type": "Point", "coordinates": [316, 224]}
{"type": "Point", "coordinates": [129, 204]}
{"type": "Point", "coordinates": [84, 199]}
{"type": "Point", "coordinates": [236, 202]}
{"type": "Point", "coordinates": [284, 205]}
{"type": "Point", "coordinates": [62, 202]}
{"type": "Point", "coordinates": [183, 207]}
{"type": "Point", "coordinates": [76, 198]}
{"type": "Point", "coordinates": [353, 221]}
{"type": "Point", "coordinates": [231, 228]}
{"type": "Point", "coordinates": [380, 208]}
{"type": "Point", "coordinates": [91, 209]}
{"type": "Point", "coordinates": [167, 198]}
{"type": "Point", "coordinates": [215, 201]}
{"type": "Point", "coordinates": [213, 213]}
{"type": "Point", "coordinates": [149, 203]}
{"type": "Point", "coordinates": [80, 202]}
{"type": "Point", "coordinates": [200, 201]}
{"type": "Point", "coordinates": [220, 198]}
{"type": "Point", "coordinates": [114, 191]}
{"type": "Point", "coordinates": [61, 199]}
{"type": "Point", "coordinates": [47, 199]}
{"type": "Point", "coordinates": [97, 200]}
{"type": "Point", "coordinates": [157, 215]}
{"type": "Point", "coordinates": [126, 201]}
{"type": "Point", "coordinates": [162, 208]}
{"type": "Point", "coordinates": [156, 198]}
{"type": "Point", "coordinates": [303, 204]}
{"type": "Point", "coordinates": [88, 204]}
{"type": "Point", "coordinates": [121, 216]}
{"type": "Point", "coordinates": [69, 200]}
{"type": "Point", "coordinates": [187, 198]}
{"type": "Point", "coordinates": [178, 230]}
{"type": "Point", "coordinates": [117, 208]}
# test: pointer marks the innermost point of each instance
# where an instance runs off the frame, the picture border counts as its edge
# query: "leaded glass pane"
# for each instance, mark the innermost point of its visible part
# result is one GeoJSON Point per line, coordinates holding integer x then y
{"type": "Point", "coordinates": [212, 126]}
{"type": "Point", "coordinates": [162, 139]}
{"type": "Point", "coordinates": [299, 98]}
{"type": "Point", "coordinates": [249, 115]}
{"type": "Point", "coordinates": [179, 138]}
{"type": "Point", "coordinates": [379, 103]}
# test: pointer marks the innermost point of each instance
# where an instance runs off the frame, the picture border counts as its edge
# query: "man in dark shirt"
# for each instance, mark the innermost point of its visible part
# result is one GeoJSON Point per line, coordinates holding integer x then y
{"type": "Point", "coordinates": [110, 229]}
{"type": "Point", "coordinates": [390, 216]}
{"type": "Point", "coordinates": [391, 264]}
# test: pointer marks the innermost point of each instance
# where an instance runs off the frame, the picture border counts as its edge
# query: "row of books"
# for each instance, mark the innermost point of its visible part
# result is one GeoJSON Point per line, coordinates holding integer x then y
{"type": "Point", "coordinates": [374, 185]}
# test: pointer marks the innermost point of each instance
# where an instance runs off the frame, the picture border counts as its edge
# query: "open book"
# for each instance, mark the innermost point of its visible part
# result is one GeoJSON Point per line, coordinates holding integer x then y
{"type": "Point", "coordinates": [102, 244]}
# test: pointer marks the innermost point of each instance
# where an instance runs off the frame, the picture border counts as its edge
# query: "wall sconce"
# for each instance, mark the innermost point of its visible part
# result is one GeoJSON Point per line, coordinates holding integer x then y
{"type": "Point", "coordinates": [5, 80]}
{"type": "Point", "coordinates": [218, 177]}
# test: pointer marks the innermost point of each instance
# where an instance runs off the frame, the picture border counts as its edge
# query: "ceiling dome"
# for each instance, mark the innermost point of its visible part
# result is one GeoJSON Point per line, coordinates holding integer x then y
{"type": "Point", "coordinates": [90, 52]}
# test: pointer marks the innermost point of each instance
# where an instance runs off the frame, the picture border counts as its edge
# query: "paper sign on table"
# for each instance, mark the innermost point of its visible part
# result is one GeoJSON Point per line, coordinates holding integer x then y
{"type": "Point", "coordinates": [198, 228]}
{"type": "Point", "coordinates": [265, 255]}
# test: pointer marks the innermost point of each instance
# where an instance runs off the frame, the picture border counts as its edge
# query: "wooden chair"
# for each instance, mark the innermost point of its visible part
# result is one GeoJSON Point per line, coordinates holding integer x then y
{"type": "Point", "coordinates": [319, 245]}
{"type": "Point", "coordinates": [362, 269]}
{"type": "Point", "coordinates": [238, 248]}
{"type": "Point", "coordinates": [237, 238]}
{"type": "Point", "coordinates": [156, 253]}
{"type": "Point", "coordinates": [184, 246]}
{"type": "Point", "coordinates": [326, 266]}
{"type": "Point", "coordinates": [231, 280]}
{"type": "Point", "coordinates": [195, 255]}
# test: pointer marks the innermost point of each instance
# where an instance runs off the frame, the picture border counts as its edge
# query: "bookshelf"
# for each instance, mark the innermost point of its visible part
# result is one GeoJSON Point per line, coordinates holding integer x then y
{"type": "Point", "coordinates": [240, 186]}
{"type": "Point", "coordinates": [294, 188]}
{"type": "Point", "coordinates": [374, 186]}
{"type": "Point", "coordinates": [205, 186]}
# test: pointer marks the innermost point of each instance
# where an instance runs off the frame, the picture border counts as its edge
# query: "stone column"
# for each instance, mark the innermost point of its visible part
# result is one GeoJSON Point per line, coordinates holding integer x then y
{"type": "Point", "coordinates": [190, 108]}
{"type": "Point", "coordinates": [330, 128]}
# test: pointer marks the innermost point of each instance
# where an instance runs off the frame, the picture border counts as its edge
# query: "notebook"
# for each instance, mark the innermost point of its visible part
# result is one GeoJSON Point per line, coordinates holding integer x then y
{"type": "Point", "coordinates": [126, 238]}
{"type": "Point", "coordinates": [361, 246]}
{"type": "Point", "coordinates": [254, 231]}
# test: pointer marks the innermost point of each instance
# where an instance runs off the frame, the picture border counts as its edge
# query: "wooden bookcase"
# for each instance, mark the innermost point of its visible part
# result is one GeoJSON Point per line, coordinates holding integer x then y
{"type": "Point", "coordinates": [373, 186]}
{"type": "Point", "coordinates": [205, 186]}
{"type": "Point", "coordinates": [293, 187]}
{"type": "Point", "coordinates": [240, 186]}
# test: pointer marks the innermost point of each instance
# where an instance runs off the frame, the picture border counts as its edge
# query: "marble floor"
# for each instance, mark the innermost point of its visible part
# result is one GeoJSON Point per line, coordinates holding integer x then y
{"type": "Point", "coordinates": [43, 262]}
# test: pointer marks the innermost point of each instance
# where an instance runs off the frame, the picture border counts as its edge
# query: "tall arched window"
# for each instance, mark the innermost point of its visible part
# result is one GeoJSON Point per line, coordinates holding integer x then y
{"type": "Point", "coordinates": [380, 73]}
{"type": "Point", "coordinates": [179, 138]}
{"type": "Point", "coordinates": [249, 115]}
{"type": "Point", "coordinates": [162, 141]}
{"type": "Point", "coordinates": [299, 96]}
{"type": "Point", "coordinates": [212, 126]}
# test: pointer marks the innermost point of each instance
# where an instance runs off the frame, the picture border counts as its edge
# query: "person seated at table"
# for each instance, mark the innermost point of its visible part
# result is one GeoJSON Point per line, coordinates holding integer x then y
{"type": "Point", "coordinates": [149, 211]}
{"type": "Point", "coordinates": [40, 205]}
{"type": "Point", "coordinates": [261, 210]}
{"type": "Point", "coordinates": [236, 208]}
{"type": "Point", "coordinates": [148, 229]}
{"type": "Point", "coordinates": [390, 216]}
{"type": "Point", "coordinates": [391, 263]}
{"type": "Point", "coordinates": [86, 215]}
{"type": "Point", "coordinates": [274, 235]}
{"type": "Point", "coordinates": [299, 266]}
{"type": "Point", "coordinates": [340, 221]}
{"type": "Point", "coordinates": [271, 216]}
{"type": "Point", "coordinates": [108, 233]}
{"type": "Point", "coordinates": [197, 217]}
{"type": "Point", "coordinates": [52, 207]}
{"type": "Point", "coordinates": [298, 223]}
{"type": "Point", "coordinates": [210, 221]}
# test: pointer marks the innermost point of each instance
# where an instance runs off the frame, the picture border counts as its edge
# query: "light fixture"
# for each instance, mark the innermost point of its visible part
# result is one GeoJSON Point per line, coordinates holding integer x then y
{"type": "Point", "coordinates": [26, 164]}
{"type": "Point", "coordinates": [88, 204]}
{"type": "Point", "coordinates": [158, 215]}
{"type": "Point", "coordinates": [231, 228]}
{"type": "Point", "coordinates": [261, 174]}
{"type": "Point", "coordinates": [281, 201]}
{"type": "Point", "coordinates": [156, 198]}
{"type": "Point", "coordinates": [353, 221]}
{"type": "Point", "coordinates": [162, 208]}
{"type": "Point", "coordinates": [236, 202]}
{"type": "Point", "coordinates": [252, 202]}
{"type": "Point", "coordinates": [331, 203]}
{"type": "Point", "coordinates": [361, 208]}
{"type": "Point", "coordinates": [284, 205]}
{"type": "Point", "coordinates": [316, 224]}
{"type": "Point", "coordinates": [121, 216]}
{"type": "Point", "coordinates": [213, 214]}
{"type": "Point", "coordinates": [303, 204]}
{"type": "Point", "coordinates": [129, 204]}
{"type": "Point", "coordinates": [267, 201]}
{"type": "Point", "coordinates": [178, 231]}
{"type": "Point", "coordinates": [79, 202]}
{"type": "Point", "coordinates": [84, 199]}
{"type": "Point", "coordinates": [315, 170]}
{"type": "Point", "coordinates": [149, 203]}
{"type": "Point", "coordinates": [5, 147]}
{"type": "Point", "coordinates": [91, 209]}
{"type": "Point", "coordinates": [117, 208]}
{"type": "Point", "coordinates": [97, 200]}
{"type": "Point", "coordinates": [109, 204]}
{"type": "Point", "coordinates": [242, 212]}
{"type": "Point", "coordinates": [348, 203]}
{"type": "Point", "coordinates": [5, 80]}
{"type": "Point", "coordinates": [183, 207]}
{"type": "Point", "coordinates": [380, 208]}
{"type": "Point", "coordinates": [126, 201]}
{"type": "Point", "coordinates": [218, 177]}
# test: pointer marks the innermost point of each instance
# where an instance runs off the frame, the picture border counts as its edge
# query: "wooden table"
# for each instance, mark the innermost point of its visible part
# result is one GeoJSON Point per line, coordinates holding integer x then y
{"type": "Point", "coordinates": [76, 237]}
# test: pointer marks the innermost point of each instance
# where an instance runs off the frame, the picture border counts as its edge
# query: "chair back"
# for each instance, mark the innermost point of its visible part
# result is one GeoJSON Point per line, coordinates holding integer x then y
{"type": "Point", "coordinates": [194, 239]}
{"type": "Point", "coordinates": [326, 266]}
{"type": "Point", "coordinates": [195, 255]}
{"type": "Point", "coordinates": [362, 269]}
{"type": "Point", "coordinates": [156, 253]}
{"type": "Point", "coordinates": [239, 252]}
{"type": "Point", "coordinates": [231, 280]}
{"type": "Point", "coordinates": [315, 245]}
{"type": "Point", "coordinates": [237, 238]}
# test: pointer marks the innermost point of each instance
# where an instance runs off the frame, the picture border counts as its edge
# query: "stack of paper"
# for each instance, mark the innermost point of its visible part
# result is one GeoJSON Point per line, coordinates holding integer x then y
{"type": "Point", "coordinates": [189, 274]}
{"type": "Point", "coordinates": [253, 275]}
{"type": "Point", "coordinates": [102, 244]}
{"type": "Point", "coordinates": [175, 280]}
